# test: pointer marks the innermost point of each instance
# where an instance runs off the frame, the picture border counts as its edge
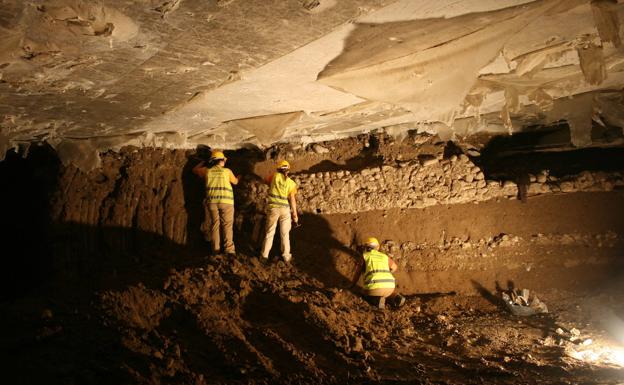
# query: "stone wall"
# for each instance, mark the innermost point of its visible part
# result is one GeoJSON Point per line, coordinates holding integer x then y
{"type": "Point", "coordinates": [419, 184]}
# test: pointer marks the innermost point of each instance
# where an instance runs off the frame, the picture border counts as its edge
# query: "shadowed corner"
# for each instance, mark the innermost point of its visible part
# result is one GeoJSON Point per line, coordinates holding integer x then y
{"type": "Point", "coordinates": [487, 295]}
{"type": "Point", "coordinates": [318, 253]}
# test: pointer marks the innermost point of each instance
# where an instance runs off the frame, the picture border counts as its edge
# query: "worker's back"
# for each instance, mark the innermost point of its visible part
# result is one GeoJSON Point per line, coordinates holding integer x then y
{"type": "Point", "coordinates": [218, 185]}
{"type": "Point", "coordinates": [377, 275]}
{"type": "Point", "coordinates": [281, 187]}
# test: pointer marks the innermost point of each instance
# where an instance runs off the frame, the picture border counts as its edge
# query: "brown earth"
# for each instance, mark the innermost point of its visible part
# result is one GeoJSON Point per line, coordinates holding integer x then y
{"type": "Point", "coordinates": [111, 282]}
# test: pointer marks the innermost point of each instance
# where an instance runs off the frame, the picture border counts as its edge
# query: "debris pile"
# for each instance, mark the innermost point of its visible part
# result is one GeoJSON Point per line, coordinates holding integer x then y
{"type": "Point", "coordinates": [519, 303]}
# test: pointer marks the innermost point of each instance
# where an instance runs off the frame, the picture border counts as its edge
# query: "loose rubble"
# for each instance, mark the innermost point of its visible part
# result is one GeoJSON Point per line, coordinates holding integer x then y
{"type": "Point", "coordinates": [522, 304]}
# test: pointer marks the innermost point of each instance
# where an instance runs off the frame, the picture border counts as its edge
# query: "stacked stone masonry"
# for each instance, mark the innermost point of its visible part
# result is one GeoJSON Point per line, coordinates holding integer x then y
{"type": "Point", "coordinates": [419, 184]}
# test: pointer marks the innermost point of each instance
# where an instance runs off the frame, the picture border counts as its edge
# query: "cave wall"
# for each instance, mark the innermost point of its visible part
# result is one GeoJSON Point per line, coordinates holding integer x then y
{"type": "Point", "coordinates": [136, 189]}
{"type": "Point", "coordinates": [145, 204]}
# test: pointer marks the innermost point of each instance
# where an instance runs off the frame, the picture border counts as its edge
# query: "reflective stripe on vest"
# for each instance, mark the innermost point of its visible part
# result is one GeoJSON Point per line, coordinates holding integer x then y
{"type": "Point", "coordinates": [281, 185]}
{"type": "Point", "coordinates": [378, 275]}
{"type": "Point", "coordinates": [218, 185]}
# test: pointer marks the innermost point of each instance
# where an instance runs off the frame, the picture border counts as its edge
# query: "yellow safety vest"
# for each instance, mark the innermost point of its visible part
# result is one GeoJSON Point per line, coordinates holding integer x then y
{"type": "Point", "coordinates": [281, 185]}
{"type": "Point", "coordinates": [218, 185]}
{"type": "Point", "coordinates": [378, 275]}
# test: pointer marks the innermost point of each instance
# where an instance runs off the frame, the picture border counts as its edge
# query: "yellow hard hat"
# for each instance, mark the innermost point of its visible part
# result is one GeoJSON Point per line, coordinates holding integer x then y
{"type": "Point", "coordinates": [283, 164]}
{"type": "Point", "coordinates": [217, 155]}
{"type": "Point", "coordinates": [371, 242]}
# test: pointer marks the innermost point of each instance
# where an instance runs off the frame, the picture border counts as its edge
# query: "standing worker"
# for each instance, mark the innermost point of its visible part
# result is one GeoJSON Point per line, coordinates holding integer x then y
{"type": "Point", "coordinates": [282, 208]}
{"type": "Point", "coordinates": [220, 199]}
{"type": "Point", "coordinates": [379, 283]}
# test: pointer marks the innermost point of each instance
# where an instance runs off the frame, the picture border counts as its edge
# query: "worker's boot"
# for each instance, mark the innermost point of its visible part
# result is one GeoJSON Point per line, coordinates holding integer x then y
{"type": "Point", "coordinates": [399, 300]}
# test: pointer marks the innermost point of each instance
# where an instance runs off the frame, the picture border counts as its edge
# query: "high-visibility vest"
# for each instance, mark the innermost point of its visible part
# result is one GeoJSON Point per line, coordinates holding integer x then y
{"type": "Point", "coordinates": [378, 275]}
{"type": "Point", "coordinates": [218, 186]}
{"type": "Point", "coordinates": [281, 185]}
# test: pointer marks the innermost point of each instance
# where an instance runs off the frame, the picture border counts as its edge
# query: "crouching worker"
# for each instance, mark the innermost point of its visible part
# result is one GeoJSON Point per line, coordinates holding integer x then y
{"type": "Point", "coordinates": [379, 282]}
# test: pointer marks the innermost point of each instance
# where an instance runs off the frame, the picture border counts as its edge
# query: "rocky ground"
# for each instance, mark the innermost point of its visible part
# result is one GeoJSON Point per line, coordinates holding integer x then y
{"type": "Point", "coordinates": [225, 320]}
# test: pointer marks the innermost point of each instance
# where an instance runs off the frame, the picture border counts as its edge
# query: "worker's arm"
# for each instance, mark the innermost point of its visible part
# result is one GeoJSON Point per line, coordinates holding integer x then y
{"type": "Point", "coordinates": [233, 179]}
{"type": "Point", "coordinates": [393, 266]}
{"type": "Point", "coordinates": [200, 170]}
{"type": "Point", "coordinates": [293, 205]}
{"type": "Point", "coordinates": [358, 272]}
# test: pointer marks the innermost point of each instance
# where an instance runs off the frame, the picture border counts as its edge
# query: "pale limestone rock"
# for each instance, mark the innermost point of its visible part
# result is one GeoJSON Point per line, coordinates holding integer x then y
{"type": "Point", "coordinates": [567, 187]}
{"type": "Point", "coordinates": [317, 148]}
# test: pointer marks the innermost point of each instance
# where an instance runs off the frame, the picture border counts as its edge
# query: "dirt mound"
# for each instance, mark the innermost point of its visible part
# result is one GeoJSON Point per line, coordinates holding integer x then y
{"type": "Point", "coordinates": [235, 320]}
{"type": "Point", "coordinates": [254, 321]}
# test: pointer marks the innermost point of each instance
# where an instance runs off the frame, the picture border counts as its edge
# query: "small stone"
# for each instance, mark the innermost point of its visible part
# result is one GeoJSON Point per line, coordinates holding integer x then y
{"type": "Point", "coordinates": [357, 345]}
{"type": "Point", "coordinates": [541, 178]}
{"type": "Point", "coordinates": [337, 184]}
{"type": "Point", "coordinates": [469, 178]}
{"type": "Point", "coordinates": [317, 148]}
{"type": "Point", "coordinates": [430, 162]}
{"type": "Point", "coordinates": [480, 176]}
{"type": "Point", "coordinates": [567, 186]}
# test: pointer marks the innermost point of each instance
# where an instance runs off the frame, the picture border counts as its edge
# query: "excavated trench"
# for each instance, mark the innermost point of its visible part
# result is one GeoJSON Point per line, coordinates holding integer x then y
{"type": "Point", "coordinates": [107, 277]}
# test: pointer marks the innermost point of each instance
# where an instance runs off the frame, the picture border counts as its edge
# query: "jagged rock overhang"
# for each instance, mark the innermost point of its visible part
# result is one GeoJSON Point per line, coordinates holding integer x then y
{"type": "Point", "coordinates": [452, 68]}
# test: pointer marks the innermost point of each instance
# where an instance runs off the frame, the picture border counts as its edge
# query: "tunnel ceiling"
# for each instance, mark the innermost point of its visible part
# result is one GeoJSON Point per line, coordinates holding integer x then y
{"type": "Point", "coordinates": [86, 76]}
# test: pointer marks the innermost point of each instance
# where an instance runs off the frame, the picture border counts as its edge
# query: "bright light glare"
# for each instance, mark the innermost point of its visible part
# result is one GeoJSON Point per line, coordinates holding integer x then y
{"type": "Point", "coordinates": [599, 355]}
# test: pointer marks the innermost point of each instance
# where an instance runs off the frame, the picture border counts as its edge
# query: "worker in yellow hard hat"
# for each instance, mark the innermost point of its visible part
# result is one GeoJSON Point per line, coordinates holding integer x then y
{"type": "Point", "coordinates": [282, 208]}
{"type": "Point", "coordinates": [379, 283]}
{"type": "Point", "coordinates": [220, 201]}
